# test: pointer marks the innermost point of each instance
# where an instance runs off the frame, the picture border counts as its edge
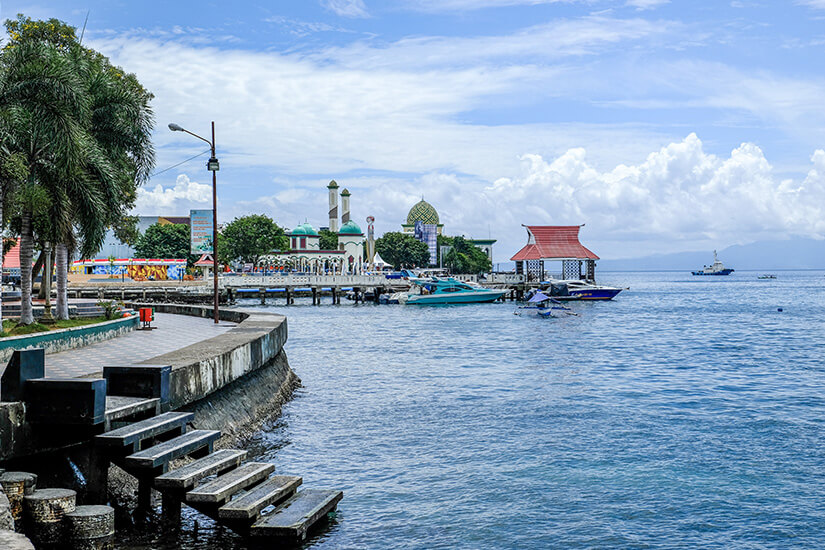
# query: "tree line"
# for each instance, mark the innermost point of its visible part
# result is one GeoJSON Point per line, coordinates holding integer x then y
{"type": "Point", "coordinates": [75, 144]}
{"type": "Point", "coordinates": [249, 238]}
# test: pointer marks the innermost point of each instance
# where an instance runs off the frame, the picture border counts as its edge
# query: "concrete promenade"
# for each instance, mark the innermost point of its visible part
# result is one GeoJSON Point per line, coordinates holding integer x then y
{"type": "Point", "coordinates": [173, 333]}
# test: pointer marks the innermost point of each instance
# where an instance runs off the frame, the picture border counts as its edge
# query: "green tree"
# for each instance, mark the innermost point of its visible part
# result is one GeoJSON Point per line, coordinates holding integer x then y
{"type": "Point", "coordinates": [464, 257]}
{"type": "Point", "coordinates": [249, 237]}
{"type": "Point", "coordinates": [42, 97]}
{"type": "Point", "coordinates": [402, 250]}
{"type": "Point", "coordinates": [85, 128]}
{"type": "Point", "coordinates": [328, 240]}
{"type": "Point", "coordinates": [166, 241]}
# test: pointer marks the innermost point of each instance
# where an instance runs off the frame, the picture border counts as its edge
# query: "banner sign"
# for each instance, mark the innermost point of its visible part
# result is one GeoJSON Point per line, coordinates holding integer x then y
{"type": "Point", "coordinates": [200, 222]}
{"type": "Point", "coordinates": [428, 234]}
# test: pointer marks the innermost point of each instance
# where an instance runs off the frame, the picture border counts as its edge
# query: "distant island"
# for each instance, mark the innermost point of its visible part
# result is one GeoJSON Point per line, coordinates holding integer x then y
{"type": "Point", "coordinates": [795, 253]}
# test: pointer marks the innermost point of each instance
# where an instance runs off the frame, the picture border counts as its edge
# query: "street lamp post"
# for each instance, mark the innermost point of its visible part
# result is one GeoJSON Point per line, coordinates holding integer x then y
{"type": "Point", "coordinates": [213, 166]}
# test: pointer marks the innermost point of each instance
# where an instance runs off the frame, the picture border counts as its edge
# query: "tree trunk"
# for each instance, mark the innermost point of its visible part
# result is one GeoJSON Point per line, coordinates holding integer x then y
{"type": "Point", "coordinates": [62, 266]}
{"type": "Point", "coordinates": [26, 241]}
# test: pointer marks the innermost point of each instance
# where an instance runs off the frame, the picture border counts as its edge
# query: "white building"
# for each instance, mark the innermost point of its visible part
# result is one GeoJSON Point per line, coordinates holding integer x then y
{"type": "Point", "coordinates": [305, 252]}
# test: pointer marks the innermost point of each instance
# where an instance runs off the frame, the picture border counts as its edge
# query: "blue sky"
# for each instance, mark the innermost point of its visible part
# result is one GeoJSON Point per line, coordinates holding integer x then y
{"type": "Point", "coordinates": [661, 125]}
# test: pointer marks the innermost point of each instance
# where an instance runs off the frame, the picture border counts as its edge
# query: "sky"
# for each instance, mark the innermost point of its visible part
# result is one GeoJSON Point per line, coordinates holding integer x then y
{"type": "Point", "coordinates": [662, 125]}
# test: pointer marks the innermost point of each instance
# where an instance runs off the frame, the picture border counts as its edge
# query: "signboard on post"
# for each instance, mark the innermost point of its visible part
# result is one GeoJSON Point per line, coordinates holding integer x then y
{"type": "Point", "coordinates": [200, 223]}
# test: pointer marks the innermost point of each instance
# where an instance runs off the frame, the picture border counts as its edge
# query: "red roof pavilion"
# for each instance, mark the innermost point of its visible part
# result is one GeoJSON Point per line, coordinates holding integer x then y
{"type": "Point", "coordinates": [205, 261]}
{"type": "Point", "coordinates": [553, 242]}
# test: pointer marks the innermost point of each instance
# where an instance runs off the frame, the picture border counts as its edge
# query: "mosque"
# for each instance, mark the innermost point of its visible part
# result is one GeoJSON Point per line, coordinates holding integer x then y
{"type": "Point", "coordinates": [424, 212]}
{"type": "Point", "coordinates": [305, 252]}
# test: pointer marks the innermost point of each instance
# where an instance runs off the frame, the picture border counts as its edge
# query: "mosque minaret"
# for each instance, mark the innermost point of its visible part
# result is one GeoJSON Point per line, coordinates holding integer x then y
{"type": "Point", "coordinates": [344, 206]}
{"type": "Point", "coordinates": [333, 206]}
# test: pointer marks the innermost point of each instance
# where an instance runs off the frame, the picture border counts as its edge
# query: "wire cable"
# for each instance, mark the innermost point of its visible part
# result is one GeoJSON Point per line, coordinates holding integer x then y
{"type": "Point", "coordinates": [181, 162]}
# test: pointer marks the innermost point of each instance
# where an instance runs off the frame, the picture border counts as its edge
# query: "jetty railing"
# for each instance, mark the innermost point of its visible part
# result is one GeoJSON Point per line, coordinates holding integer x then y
{"type": "Point", "coordinates": [293, 280]}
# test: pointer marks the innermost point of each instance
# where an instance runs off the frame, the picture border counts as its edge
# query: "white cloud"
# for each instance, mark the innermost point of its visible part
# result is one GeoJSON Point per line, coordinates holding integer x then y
{"type": "Point", "coordinates": [347, 8]}
{"type": "Point", "coordinates": [816, 4]}
{"type": "Point", "coordinates": [679, 194]}
{"type": "Point", "coordinates": [646, 4]}
{"type": "Point", "coordinates": [186, 194]}
{"type": "Point", "coordinates": [678, 197]}
{"type": "Point", "coordinates": [468, 5]}
{"type": "Point", "coordinates": [533, 45]}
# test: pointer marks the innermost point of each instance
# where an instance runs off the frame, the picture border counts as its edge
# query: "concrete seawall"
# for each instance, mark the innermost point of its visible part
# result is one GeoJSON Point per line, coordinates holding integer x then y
{"type": "Point", "coordinates": [236, 380]}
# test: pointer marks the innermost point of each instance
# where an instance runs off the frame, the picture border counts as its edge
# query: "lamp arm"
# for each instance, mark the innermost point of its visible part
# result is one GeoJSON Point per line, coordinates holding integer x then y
{"type": "Point", "coordinates": [200, 138]}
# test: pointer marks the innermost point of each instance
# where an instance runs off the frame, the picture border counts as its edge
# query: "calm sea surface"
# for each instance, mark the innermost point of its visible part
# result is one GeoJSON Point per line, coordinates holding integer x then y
{"type": "Point", "coordinates": [688, 412]}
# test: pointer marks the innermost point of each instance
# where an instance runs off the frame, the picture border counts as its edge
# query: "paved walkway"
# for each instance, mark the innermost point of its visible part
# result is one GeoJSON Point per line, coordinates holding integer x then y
{"type": "Point", "coordinates": [173, 332]}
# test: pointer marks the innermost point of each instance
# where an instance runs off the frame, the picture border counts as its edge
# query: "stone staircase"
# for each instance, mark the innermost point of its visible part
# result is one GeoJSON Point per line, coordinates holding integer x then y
{"type": "Point", "coordinates": [242, 495]}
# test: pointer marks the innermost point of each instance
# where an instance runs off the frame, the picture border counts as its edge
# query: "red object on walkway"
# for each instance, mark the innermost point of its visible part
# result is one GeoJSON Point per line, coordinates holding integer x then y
{"type": "Point", "coordinates": [146, 317]}
{"type": "Point", "coordinates": [146, 314]}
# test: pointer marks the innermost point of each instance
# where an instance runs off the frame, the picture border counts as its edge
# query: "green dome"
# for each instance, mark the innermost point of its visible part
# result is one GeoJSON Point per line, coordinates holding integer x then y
{"type": "Point", "coordinates": [424, 212]}
{"type": "Point", "coordinates": [350, 228]}
{"type": "Point", "coordinates": [304, 229]}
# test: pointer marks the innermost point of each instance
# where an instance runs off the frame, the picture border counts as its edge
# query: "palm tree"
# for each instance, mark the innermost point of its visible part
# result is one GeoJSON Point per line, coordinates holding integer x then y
{"type": "Point", "coordinates": [43, 96]}
{"type": "Point", "coordinates": [120, 157]}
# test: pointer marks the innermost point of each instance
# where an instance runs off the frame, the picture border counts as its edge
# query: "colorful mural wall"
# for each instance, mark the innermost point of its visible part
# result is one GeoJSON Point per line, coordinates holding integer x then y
{"type": "Point", "coordinates": [137, 270]}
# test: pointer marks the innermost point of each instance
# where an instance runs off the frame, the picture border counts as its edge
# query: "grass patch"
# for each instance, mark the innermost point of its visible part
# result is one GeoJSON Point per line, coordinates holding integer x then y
{"type": "Point", "coordinates": [11, 328]}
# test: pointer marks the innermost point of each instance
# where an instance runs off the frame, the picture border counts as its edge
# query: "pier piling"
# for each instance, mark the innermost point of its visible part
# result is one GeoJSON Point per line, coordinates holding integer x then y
{"type": "Point", "coordinates": [44, 511]}
{"type": "Point", "coordinates": [90, 528]}
{"type": "Point", "coordinates": [17, 485]}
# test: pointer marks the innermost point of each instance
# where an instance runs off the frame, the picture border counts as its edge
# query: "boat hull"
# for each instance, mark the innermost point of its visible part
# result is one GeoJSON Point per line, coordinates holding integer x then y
{"type": "Point", "coordinates": [595, 293]}
{"type": "Point", "coordinates": [456, 298]}
{"type": "Point", "coordinates": [726, 271]}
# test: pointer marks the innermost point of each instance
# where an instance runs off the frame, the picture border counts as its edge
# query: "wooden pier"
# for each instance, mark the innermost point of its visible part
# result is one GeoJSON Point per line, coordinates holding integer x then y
{"type": "Point", "coordinates": [321, 289]}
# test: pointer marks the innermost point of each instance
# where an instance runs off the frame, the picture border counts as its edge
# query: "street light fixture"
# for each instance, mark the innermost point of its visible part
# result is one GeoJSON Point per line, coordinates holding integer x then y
{"type": "Point", "coordinates": [213, 166]}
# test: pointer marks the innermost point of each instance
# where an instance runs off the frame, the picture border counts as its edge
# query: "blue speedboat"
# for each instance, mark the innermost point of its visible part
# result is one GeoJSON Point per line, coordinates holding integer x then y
{"type": "Point", "coordinates": [717, 268]}
{"type": "Point", "coordinates": [581, 290]}
{"type": "Point", "coordinates": [432, 291]}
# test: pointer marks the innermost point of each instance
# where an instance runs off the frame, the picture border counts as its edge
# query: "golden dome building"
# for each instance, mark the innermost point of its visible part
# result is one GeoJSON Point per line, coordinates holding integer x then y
{"type": "Point", "coordinates": [423, 212]}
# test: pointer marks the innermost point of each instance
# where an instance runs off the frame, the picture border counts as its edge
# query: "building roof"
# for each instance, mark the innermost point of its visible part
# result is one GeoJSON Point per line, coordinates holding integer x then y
{"type": "Point", "coordinates": [332, 185]}
{"type": "Point", "coordinates": [11, 259]}
{"type": "Point", "coordinates": [350, 228]}
{"type": "Point", "coordinates": [205, 260]}
{"type": "Point", "coordinates": [424, 212]}
{"type": "Point", "coordinates": [553, 242]}
{"type": "Point", "coordinates": [304, 229]}
{"type": "Point", "coordinates": [345, 192]}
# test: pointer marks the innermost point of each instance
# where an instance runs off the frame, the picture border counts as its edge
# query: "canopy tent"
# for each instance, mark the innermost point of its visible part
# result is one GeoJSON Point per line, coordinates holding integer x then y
{"type": "Point", "coordinates": [378, 261]}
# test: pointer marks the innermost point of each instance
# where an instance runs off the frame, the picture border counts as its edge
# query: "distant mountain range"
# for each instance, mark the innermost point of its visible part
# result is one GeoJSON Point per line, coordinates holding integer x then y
{"type": "Point", "coordinates": [764, 255]}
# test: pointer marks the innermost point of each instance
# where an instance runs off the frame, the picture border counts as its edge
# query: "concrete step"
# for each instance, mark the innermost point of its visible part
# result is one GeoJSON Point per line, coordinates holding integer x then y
{"type": "Point", "coordinates": [134, 434]}
{"type": "Point", "coordinates": [185, 477]}
{"type": "Point", "coordinates": [220, 490]}
{"type": "Point", "coordinates": [159, 455]}
{"type": "Point", "coordinates": [248, 506]}
{"type": "Point", "coordinates": [297, 515]}
{"type": "Point", "coordinates": [123, 409]}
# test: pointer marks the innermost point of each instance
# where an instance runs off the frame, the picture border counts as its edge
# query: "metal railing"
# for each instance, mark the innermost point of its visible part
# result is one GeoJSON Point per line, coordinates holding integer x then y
{"type": "Point", "coordinates": [292, 280]}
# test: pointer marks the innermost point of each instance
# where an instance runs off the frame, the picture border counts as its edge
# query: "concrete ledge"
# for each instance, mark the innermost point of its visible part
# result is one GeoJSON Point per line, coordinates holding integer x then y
{"type": "Point", "coordinates": [66, 338]}
{"type": "Point", "coordinates": [198, 371]}
{"type": "Point", "coordinates": [6, 521]}
{"type": "Point", "coordinates": [208, 366]}
{"type": "Point", "coordinates": [9, 540]}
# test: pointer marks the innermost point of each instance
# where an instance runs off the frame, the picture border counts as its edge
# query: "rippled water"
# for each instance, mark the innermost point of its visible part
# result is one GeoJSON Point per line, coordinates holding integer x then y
{"type": "Point", "coordinates": [688, 412]}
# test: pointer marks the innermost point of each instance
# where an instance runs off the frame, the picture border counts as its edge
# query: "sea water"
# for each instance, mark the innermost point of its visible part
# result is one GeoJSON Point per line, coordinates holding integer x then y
{"type": "Point", "coordinates": [688, 412]}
